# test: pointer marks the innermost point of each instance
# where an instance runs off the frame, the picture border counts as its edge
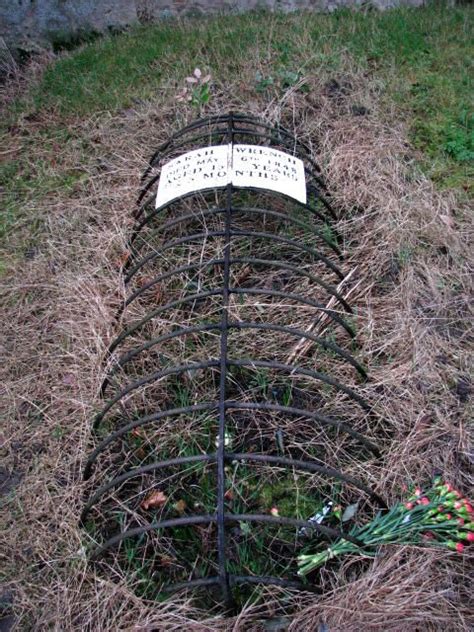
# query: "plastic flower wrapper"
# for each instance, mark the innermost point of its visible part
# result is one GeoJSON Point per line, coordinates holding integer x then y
{"type": "Point", "coordinates": [438, 517]}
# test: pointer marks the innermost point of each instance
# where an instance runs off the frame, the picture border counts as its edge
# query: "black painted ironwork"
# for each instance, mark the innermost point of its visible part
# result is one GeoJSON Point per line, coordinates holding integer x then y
{"type": "Point", "coordinates": [311, 261]}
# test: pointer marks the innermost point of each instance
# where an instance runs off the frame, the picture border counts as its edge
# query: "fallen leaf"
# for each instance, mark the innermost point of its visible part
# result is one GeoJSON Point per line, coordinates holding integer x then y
{"type": "Point", "coordinates": [158, 293]}
{"type": "Point", "coordinates": [244, 274]}
{"type": "Point", "coordinates": [122, 260]}
{"type": "Point", "coordinates": [140, 453]}
{"type": "Point", "coordinates": [69, 379]}
{"type": "Point", "coordinates": [191, 79]}
{"type": "Point", "coordinates": [197, 73]}
{"type": "Point", "coordinates": [166, 561]}
{"type": "Point", "coordinates": [229, 495]}
{"type": "Point", "coordinates": [206, 79]}
{"type": "Point", "coordinates": [142, 281]}
{"type": "Point", "coordinates": [448, 220]}
{"type": "Point", "coordinates": [349, 512]}
{"type": "Point", "coordinates": [181, 96]}
{"type": "Point", "coordinates": [153, 500]}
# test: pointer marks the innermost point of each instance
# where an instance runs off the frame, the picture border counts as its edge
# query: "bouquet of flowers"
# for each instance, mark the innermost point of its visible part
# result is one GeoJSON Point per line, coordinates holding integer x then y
{"type": "Point", "coordinates": [438, 517]}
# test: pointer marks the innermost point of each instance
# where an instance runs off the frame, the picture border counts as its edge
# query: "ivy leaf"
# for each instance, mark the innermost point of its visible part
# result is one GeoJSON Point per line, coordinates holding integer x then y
{"type": "Point", "coordinates": [350, 511]}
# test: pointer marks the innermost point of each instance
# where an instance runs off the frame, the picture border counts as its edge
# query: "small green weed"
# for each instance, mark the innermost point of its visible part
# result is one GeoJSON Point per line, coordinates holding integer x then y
{"type": "Point", "coordinates": [197, 91]}
{"type": "Point", "coordinates": [404, 255]}
{"type": "Point", "coordinates": [460, 138]}
{"type": "Point", "coordinates": [262, 83]}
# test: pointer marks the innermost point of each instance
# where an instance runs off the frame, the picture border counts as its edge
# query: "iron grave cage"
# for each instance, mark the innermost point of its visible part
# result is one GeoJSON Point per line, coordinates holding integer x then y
{"type": "Point", "coordinates": [233, 411]}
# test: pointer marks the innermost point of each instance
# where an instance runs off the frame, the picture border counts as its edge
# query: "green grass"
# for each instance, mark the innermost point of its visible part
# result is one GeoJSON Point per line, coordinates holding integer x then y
{"type": "Point", "coordinates": [22, 180]}
{"type": "Point", "coordinates": [422, 59]}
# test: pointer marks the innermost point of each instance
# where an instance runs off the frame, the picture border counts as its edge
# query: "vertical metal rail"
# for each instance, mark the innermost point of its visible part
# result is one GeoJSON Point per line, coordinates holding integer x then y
{"type": "Point", "coordinates": [221, 539]}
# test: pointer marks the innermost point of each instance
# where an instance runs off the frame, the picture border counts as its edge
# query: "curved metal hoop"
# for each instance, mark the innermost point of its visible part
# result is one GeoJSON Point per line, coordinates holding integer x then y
{"type": "Point", "coordinates": [309, 253]}
{"type": "Point", "coordinates": [195, 520]}
{"type": "Point", "coordinates": [325, 344]}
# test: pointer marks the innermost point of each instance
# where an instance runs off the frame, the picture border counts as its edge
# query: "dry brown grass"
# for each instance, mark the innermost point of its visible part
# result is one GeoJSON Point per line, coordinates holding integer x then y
{"type": "Point", "coordinates": [410, 245]}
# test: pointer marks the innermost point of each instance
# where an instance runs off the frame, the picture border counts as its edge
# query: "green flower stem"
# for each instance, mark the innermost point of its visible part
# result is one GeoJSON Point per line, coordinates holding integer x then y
{"type": "Point", "coordinates": [390, 528]}
{"type": "Point", "coordinates": [307, 563]}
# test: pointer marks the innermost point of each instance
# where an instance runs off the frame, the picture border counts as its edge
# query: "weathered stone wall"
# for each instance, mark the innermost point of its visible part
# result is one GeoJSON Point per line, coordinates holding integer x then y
{"type": "Point", "coordinates": [29, 23]}
{"type": "Point", "coordinates": [26, 24]}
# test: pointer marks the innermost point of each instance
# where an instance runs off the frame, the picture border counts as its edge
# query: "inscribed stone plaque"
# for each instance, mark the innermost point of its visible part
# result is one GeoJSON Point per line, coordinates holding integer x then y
{"type": "Point", "coordinates": [194, 171]}
{"type": "Point", "coordinates": [266, 168]}
{"type": "Point", "coordinates": [254, 166]}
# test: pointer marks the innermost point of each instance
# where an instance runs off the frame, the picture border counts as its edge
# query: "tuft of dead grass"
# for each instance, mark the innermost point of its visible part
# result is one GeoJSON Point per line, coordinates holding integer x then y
{"type": "Point", "coordinates": [410, 246]}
